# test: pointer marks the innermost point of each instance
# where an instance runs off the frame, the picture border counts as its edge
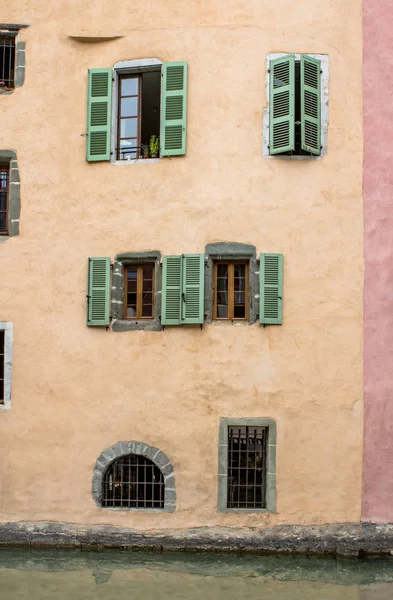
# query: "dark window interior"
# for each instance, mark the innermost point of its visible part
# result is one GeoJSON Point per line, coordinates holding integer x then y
{"type": "Point", "coordinates": [133, 481]}
{"type": "Point", "coordinates": [2, 356]}
{"type": "Point", "coordinates": [139, 112]}
{"type": "Point", "coordinates": [7, 61]}
{"type": "Point", "coordinates": [4, 188]}
{"type": "Point", "coordinates": [247, 467]}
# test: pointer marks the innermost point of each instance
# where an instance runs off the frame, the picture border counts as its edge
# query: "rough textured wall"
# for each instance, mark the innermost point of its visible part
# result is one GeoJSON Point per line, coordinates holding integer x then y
{"type": "Point", "coordinates": [76, 390]}
{"type": "Point", "coordinates": [378, 224]}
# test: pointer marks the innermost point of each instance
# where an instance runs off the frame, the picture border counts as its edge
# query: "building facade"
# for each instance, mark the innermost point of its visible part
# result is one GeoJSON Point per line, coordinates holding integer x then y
{"type": "Point", "coordinates": [217, 377]}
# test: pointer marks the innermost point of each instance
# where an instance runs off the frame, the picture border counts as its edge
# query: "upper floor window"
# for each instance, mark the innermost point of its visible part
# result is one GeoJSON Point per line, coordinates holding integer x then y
{"type": "Point", "coordinates": [133, 481]}
{"type": "Point", "coordinates": [137, 109]}
{"type": "Point", "coordinates": [4, 195]}
{"type": "Point", "coordinates": [230, 290]}
{"type": "Point", "coordinates": [7, 61]}
{"type": "Point", "coordinates": [298, 106]}
{"type": "Point", "coordinates": [139, 291]}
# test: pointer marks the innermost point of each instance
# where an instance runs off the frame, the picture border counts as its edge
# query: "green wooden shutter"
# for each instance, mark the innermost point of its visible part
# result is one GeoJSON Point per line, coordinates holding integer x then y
{"type": "Point", "coordinates": [99, 101]}
{"type": "Point", "coordinates": [173, 109]}
{"type": "Point", "coordinates": [193, 289]}
{"type": "Point", "coordinates": [99, 292]}
{"type": "Point", "coordinates": [282, 104]}
{"type": "Point", "coordinates": [171, 290]}
{"type": "Point", "coordinates": [271, 272]}
{"type": "Point", "coordinates": [310, 89]}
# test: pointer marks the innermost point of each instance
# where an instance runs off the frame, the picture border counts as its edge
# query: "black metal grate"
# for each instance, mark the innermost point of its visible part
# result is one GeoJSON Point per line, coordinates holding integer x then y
{"type": "Point", "coordinates": [7, 61]}
{"type": "Point", "coordinates": [133, 481]}
{"type": "Point", "coordinates": [4, 185]}
{"type": "Point", "coordinates": [247, 466]}
{"type": "Point", "coordinates": [2, 355]}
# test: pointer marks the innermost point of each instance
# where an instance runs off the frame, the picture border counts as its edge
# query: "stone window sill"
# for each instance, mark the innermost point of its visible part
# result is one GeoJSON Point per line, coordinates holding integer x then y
{"type": "Point", "coordinates": [6, 92]}
{"type": "Point", "coordinates": [137, 161]}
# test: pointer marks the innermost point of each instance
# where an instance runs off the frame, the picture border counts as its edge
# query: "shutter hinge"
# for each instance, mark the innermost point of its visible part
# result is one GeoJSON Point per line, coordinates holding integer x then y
{"type": "Point", "coordinates": [84, 134]}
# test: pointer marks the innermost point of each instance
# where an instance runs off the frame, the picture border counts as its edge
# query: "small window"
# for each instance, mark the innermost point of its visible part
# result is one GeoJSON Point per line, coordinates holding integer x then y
{"type": "Point", "coordinates": [2, 364]}
{"type": "Point", "coordinates": [4, 198]}
{"type": "Point", "coordinates": [7, 62]}
{"type": "Point", "coordinates": [138, 114]}
{"type": "Point", "coordinates": [139, 292]}
{"type": "Point", "coordinates": [247, 467]}
{"type": "Point", "coordinates": [230, 290]}
{"type": "Point", "coordinates": [133, 481]}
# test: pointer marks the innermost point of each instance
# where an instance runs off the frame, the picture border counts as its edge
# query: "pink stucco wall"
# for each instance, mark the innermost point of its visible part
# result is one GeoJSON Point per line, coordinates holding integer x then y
{"type": "Point", "coordinates": [378, 290]}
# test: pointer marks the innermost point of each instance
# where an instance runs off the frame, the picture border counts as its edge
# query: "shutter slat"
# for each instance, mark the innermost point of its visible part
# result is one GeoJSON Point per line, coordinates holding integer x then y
{"type": "Point", "coordinates": [310, 87]}
{"type": "Point", "coordinates": [173, 109]}
{"type": "Point", "coordinates": [98, 301]}
{"type": "Point", "coordinates": [282, 104]}
{"type": "Point", "coordinates": [99, 101]}
{"type": "Point", "coordinates": [271, 289]}
{"type": "Point", "coordinates": [171, 290]}
{"type": "Point", "coordinates": [193, 289]}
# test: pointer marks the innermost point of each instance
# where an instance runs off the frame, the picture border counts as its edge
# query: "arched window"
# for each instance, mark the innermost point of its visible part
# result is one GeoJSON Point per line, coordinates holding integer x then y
{"type": "Point", "coordinates": [132, 476]}
{"type": "Point", "coordinates": [133, 481]}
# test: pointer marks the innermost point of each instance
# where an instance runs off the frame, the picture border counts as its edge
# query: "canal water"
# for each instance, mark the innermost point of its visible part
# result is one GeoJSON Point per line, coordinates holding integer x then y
{"type": "Point", "coordinates": [119, 575]}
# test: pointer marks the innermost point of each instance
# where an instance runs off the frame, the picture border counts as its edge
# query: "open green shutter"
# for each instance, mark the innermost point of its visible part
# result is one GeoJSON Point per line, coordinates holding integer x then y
{"type": "Point", "coordinates": [171, 290]}
{"type": "Point", "coordinates": [173, 109]}
{"type": "Point", "coordinates": [99, 101]}
{"type": "Point", "coordinates": [270, 312]}
{"type": "Point", "coordinates": [99, 292]}
{"type": "Point", "coordinates": [310, 89]}
{"type": "Point", "coordinates": [193, 289]}
{"type": "Point", "coordinates": [282, 104]}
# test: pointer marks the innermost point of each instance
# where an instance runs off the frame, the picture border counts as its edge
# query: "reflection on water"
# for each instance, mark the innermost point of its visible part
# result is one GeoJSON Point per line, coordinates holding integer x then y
{"type": "Point", "coordinates": [85, 575]}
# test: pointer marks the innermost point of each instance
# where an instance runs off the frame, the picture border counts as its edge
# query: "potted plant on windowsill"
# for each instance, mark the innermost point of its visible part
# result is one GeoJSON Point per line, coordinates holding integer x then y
{"type": "Point", "coordinates": [154, 146]}
{"type": "Point", "coordinates": [145, 150]}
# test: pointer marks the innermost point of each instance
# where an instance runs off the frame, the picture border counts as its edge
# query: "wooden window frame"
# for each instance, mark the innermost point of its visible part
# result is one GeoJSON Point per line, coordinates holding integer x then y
{"type": "Point", "coordinates": [139, 116]}
{"type": "Point", "coordinates": [231, 289]}
{"type": "Point", "coordinates": [139, 291]}
{"type": "Point", "coordinates": [6, 168]}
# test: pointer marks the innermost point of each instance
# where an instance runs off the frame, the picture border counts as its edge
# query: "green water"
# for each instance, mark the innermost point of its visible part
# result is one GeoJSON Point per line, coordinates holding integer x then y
{"type": "Point", "coordinates": [116, 575]}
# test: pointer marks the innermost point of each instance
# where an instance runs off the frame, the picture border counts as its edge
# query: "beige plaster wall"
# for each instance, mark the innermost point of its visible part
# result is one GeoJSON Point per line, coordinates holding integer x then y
{"type": "Point", "coordinates": [78, 390]}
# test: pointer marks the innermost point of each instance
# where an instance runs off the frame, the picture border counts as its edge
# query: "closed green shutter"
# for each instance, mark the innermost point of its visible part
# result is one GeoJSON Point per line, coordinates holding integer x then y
{"type": "Point", "coordinates": [193, 289]}
{"type": "Point", "coordinates": [99, 292]}
{"type": "Point", "coordinates": [99, 101]}
{"type": "Point", "coordinates": [282, 104]}
{"type": "Point", "coordinates": [171, 290]}
{"type": "Point", "coordinates": [173, 109]}
{"type": "Point", "coordinates": [310, 89]}
{"type": "Point", "coordinates": [271, 273]}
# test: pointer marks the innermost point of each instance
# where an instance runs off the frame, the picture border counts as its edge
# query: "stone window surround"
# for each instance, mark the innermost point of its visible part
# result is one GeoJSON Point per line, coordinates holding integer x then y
{"type": "Point", "coordinates": [9, 338]}
{"type": "Point", "coordinates": [117, 303]}
{"type": "Point", "coordinates": [125, 67]}
{"type": "Point", "coordinates": [232, 251]}
{"type": "Point", "coordinates": [9, 157]}
{"type": "Point", "coordinates": [324, 58]}
{"type": "Point", "coordinates": [223, 463]}
{"type": "Point", "coordinates": [157, 456]}
{"type": "Point", "coordinates": [20, 53]}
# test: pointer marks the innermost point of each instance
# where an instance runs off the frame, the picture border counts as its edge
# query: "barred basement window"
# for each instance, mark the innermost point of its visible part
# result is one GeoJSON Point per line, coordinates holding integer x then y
{"type": "Point", "coordinates": [133, 481]}
{"type": "Point", "coordinates": [247, 467]}
{"type": "Point", "coordinates": [7, 62]}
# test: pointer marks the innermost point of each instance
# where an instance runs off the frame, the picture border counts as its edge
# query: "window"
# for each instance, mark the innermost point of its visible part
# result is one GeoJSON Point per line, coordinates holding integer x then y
{"type": "Point", "coordinates": [295, 124]}
{"type": "Point", "coordinates": [133, 481]}
{"type": "Point", "coordinates": [4, 193]}
{"type": "Point", "coordinates": [7, 62]}
{"type": "Point", "coordinates": [247, 470]}
{"type": "Point", "coordinates": [150, 99]}
{"type": "Point", "coordinates": [139, 292]}
{"type": "Point", "coordinates": [230, 290]}
{"type": "Point", "coordinates": [6, 339]}
{"type": "Point", "coordinates": [183, 289]}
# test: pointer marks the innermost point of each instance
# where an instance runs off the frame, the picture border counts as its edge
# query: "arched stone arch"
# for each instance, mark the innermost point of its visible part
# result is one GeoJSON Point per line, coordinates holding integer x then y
{"type": "Point", "coordinates": [157, 456]}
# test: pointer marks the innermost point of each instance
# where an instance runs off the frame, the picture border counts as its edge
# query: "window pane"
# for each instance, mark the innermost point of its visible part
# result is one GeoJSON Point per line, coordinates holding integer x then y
{"type": "Point", "coordinates": [128, 149]}
{"type": "Point", "coordinates": [222, 270]}
{"type": "Point", "coordinates": [147, 310]}
{"type": "Point", "coordinates": [148, 272]}
{"type": "Point", "coordinates": [239, 312]}
{"type": "Point", "coordinates": [3, 201]}
{"type": "Point", "coordinates": [131, 273]}
{"type": "Point", "coordinates": [3, 222]}
{"type": "Point", "coordinates": [240, 270]}
{"type": "Point", "coordinates": [129, 107]}
{"type": "Point", "coordinates": [129, 128]}
{"type": "Point", "coordinates": [129, 86]}
{"type": "Point", "coordinates": [222, 311]}
{"type": "Point", "coordinates": [131, 311]}
{"type": "Point", "coordinates": [240, 298]}
{"type": "Point", "coordinates": [147, 298]}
